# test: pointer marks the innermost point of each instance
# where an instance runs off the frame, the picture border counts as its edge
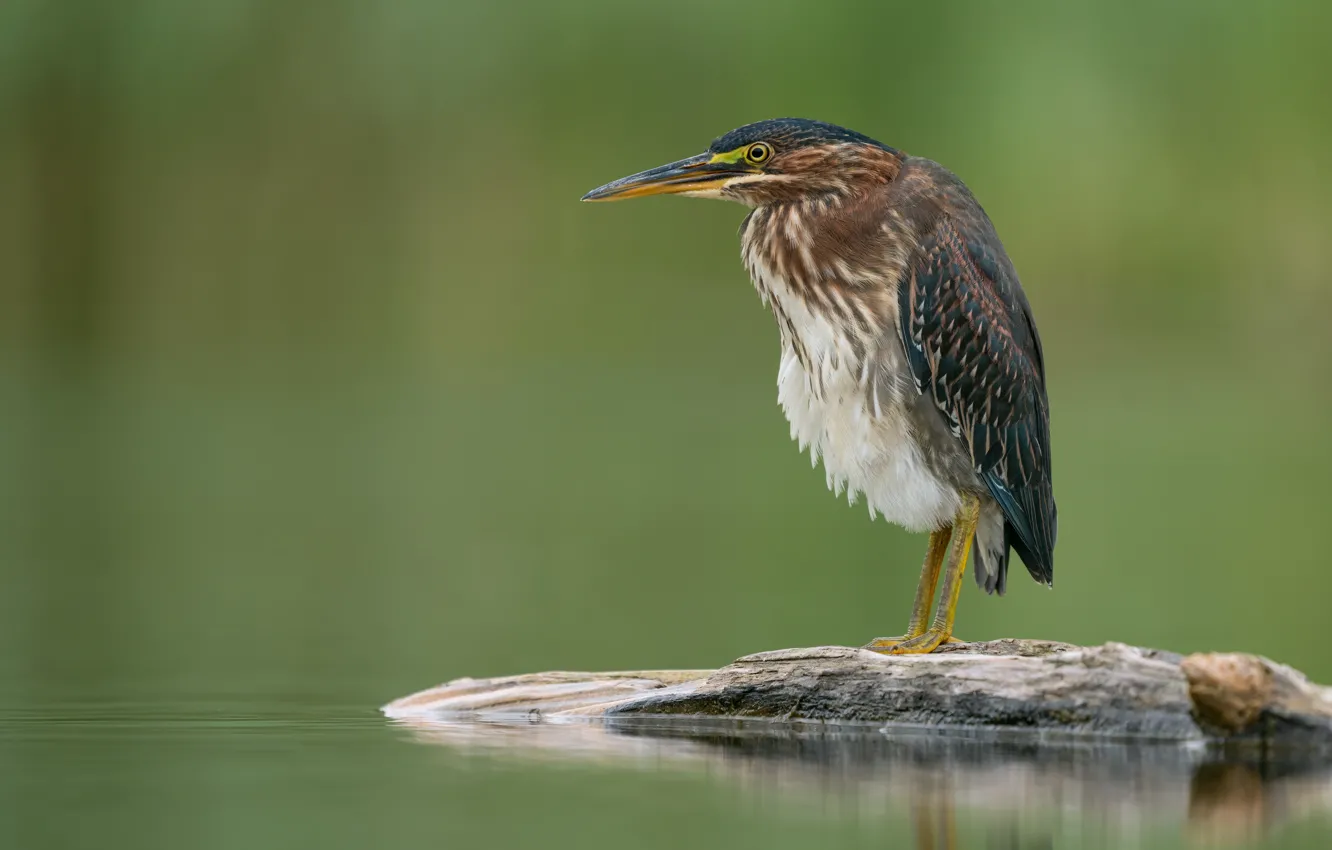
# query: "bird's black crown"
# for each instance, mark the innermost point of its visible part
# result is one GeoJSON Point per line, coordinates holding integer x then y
{"type": "Point", "coordinates": [789, 133]}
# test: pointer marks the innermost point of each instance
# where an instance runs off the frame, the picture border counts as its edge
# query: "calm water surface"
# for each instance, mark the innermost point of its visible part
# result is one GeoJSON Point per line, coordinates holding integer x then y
{"type": "Point", "coordinates": [285, 771]}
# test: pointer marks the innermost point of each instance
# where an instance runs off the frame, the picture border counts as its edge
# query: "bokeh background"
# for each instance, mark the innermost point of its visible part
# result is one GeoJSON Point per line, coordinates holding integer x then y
{"type": "Point", "coordinates": [318, 386]}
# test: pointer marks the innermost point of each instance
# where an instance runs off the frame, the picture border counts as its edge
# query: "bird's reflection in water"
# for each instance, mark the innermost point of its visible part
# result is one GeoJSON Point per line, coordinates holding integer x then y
{"type": "Point", "coordinates": [934, 824]}
{"type": "Point", "coordinates": [933, 819]}
{"type": "Point", "coordinates": [1020, 791]}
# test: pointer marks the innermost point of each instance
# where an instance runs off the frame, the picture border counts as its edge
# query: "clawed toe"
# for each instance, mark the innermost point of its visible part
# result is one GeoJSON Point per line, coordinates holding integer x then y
{"type": "Point", "coordinates": [904, 645]}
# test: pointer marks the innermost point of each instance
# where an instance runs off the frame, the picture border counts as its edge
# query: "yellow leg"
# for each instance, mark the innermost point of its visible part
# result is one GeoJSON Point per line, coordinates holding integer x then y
{"type": "Point", "coordinates": [929, 580]}
{"type": "Point", "coordinates": [964, 529]}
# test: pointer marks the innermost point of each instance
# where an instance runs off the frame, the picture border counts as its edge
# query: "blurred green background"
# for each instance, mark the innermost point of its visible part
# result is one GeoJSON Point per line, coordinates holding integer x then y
{"type": "Point", "coordinates": [318, 386]}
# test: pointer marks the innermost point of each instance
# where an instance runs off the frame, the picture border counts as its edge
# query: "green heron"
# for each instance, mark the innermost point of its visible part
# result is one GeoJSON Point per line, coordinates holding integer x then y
{"type": "Point", "coordinates": [910, 359]}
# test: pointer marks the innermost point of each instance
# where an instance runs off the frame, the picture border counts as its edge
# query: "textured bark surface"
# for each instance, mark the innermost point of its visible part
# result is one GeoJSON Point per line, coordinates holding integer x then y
{"type": "Point", "coordinates": [1018, 685]}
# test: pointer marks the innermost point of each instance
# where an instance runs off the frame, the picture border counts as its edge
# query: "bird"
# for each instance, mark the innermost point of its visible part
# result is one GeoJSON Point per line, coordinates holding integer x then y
{"type": "Point", "coordinates": [910, 360]}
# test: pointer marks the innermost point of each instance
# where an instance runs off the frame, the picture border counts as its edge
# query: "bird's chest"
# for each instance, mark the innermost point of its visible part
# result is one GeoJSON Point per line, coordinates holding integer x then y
{"type": "Point", "coordinates": [849, 399]}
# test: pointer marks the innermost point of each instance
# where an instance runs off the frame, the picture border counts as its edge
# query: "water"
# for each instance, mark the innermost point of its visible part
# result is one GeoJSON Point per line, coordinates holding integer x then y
{"type": "Point", "coordinates": [217, 773]}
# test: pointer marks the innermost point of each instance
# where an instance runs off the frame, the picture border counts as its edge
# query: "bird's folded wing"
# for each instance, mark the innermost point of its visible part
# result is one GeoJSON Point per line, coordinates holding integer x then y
{"type": "Point", "coordinates": [972, 346]}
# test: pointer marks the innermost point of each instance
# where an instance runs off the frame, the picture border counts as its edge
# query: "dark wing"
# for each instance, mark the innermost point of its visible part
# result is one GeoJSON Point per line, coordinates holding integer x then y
{"type": "Point", "coordinates": [972, 345]}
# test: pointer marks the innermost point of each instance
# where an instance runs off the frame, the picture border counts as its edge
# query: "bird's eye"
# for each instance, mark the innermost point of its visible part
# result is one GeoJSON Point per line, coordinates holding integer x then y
{"type": "Point", "coordinates": [758, 153]}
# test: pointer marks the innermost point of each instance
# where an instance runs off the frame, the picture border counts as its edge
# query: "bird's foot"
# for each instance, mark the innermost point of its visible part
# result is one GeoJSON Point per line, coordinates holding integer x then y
{"type": "Point", "coordinates": [919, 644]}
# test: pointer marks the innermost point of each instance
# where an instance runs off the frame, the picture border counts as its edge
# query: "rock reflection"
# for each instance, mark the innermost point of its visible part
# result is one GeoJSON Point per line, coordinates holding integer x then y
{"type": "Point", "coordinates": [1023, 789]}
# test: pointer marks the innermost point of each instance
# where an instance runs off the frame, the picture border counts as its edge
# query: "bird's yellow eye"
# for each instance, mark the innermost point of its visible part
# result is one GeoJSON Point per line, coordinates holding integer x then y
{"type": "Point", "coordinates": [758, 153]}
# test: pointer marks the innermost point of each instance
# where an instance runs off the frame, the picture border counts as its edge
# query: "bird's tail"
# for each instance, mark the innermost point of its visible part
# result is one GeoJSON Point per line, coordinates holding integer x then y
{"type": "Point", "coordinates": [1036, 549]}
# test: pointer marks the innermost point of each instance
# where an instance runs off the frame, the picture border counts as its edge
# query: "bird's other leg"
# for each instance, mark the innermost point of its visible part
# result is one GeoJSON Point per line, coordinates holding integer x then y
{"type": "Point", "coordinates": [929, 580]}
{"type": "Point", "coordinates": [964, 529]}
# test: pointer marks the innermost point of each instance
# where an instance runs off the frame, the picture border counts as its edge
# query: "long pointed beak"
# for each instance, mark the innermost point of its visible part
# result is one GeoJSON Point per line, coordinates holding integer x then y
{"type": "Point", "coordinates": [695, 174]}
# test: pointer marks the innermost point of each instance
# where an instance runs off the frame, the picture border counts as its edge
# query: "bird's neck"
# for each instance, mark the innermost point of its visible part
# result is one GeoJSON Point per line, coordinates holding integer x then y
{"type": "Point", "coordinates": [854, 240]}
{"type": "Point", "coordinates": [836, 258]}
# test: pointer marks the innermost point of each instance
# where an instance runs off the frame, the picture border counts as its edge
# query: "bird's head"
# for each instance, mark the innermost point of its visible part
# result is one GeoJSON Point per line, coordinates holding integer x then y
{"type": "Point", "coordinates": [784, 159]}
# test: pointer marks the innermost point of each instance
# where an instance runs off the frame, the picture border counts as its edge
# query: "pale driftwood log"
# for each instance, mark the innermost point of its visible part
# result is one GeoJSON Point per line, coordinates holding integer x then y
{"type": "Point", "coordinates": [1021, 734]}
{"type": "Point", "coordinates": [1042, 687]}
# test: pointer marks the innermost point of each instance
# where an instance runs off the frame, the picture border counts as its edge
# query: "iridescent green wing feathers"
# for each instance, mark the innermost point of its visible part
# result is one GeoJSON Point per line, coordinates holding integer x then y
{"type": "Point", "coordinates": [972, 346]}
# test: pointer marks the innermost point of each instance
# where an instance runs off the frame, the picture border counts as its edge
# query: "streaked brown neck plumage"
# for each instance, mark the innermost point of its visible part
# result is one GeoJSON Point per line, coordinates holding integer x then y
{"type": "Point", "coordinates": [831, 240]}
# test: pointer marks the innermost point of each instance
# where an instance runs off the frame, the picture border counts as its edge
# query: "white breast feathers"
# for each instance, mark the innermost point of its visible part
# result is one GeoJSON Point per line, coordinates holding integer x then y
{"type": "Point", "coordinates": [849, 408]}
